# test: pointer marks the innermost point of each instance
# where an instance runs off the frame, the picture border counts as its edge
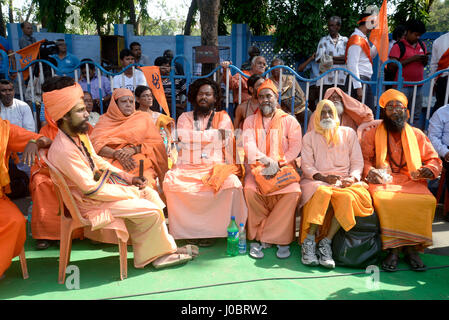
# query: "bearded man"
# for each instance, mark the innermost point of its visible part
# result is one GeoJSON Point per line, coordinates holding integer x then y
{"type": "Point", "coordinates": [332, 194]}
{"type": "Point", "coordinates": [271, 140]}
{"type": "Point", "coordinates": [119, 205]}
{"type": "Point", "coordinates": [399, 160]}
{"type": "Point", "coordinates": [203, 190]}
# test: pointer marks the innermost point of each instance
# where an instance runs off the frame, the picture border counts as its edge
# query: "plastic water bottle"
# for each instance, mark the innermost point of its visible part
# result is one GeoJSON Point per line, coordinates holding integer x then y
{"type": "Point", "coordinates": [29, 212]}
{"type": "Point", "coordinates": [233, 238]}
{"type": "Point", "coordinates": [242, 239]}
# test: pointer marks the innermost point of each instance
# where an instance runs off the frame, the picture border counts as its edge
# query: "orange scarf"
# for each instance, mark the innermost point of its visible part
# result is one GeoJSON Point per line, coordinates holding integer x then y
{"type": "Point", "coordinates": [409, 146]}
{"type": "Point", "coordinates": [116, 130]}
{"type": "Point", "coordinates": [220, 172]}
{"type": "Point", "coordinates": [359, 41]}
{"type": "Point", "coordinates": [4, 174]}
{"type": "Point", "coordinates": [276, 153]}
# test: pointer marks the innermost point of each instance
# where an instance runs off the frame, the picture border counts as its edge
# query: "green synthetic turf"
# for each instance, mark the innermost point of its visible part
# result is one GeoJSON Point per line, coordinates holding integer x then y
{"type": "Point", "coordinates": [285, 279]}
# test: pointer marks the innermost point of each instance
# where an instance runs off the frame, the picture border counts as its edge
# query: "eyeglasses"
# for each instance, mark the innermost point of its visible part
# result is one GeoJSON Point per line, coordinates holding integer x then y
{"type": "Point", "coordinates": [395, 107]}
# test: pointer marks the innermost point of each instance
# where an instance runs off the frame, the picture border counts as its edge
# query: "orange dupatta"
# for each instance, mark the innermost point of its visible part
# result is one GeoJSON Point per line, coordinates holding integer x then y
{"type": "Point", "coordinates": [359, 41]}
{"type": "Point", "coordinates": [409, 146]}
{"type": "Point", "coordinates": [113, 129]}
{"type": "Point", "coordinates": [4, 174]}
{"type": "Point", "coordinates": [443, 63]}
{"type": "Point", "coordinates": [220, 172]}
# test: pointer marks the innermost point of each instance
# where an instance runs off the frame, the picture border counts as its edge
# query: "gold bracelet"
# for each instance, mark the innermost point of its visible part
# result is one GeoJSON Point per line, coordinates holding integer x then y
{"type": "Point", "coordinates": [33, 141]}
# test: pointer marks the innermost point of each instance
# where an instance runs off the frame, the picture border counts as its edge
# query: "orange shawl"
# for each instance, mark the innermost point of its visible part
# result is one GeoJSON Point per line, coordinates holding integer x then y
{"type": "Point", "coordinates": [276, 152]}
{"type": "Point", "coordinates": [410, 147]}
{"type": "Point", "coordinates": [4, 174]}
{"type": "Point", "coordinates": [443, 63]}
{"type": "Point", "coordinates": [359, 41]}
{"type": "Point", "coordinates": [358, 111]}
{"type": "Point", "coordinates": [220, 172]}
{"type": "Point", "coordinates": [115, 130]}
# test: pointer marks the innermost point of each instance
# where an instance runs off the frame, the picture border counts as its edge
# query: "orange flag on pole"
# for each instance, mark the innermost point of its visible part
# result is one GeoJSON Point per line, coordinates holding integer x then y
{"type": "Point", "coordinates": [154, 80]}
{"type": "Point", "coordinates": [379, 35]}
{"type": "Point", "coordinates": [28, 54]}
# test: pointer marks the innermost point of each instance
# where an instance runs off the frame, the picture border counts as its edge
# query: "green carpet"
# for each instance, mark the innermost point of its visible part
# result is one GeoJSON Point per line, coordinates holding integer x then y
{"type": "Point", "coordinates": [214, 276]}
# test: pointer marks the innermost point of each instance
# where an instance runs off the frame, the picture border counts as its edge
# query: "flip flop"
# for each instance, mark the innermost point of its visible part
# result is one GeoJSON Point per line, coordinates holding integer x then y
{"type": "Point", "coordinates": [283, 252]}
{"type": "Point", "coordinates": [189, 249]}
{"type": "Point", "coordinates": [414, 264]}
{"type": "Point", "coordinates": [256, 251]}
{"type": "Point", "coordinates": [166, 262]}
{"type": "Point", "coordinates": [392, 267]}
{"type": "Point", "coordinates": [192, 241]}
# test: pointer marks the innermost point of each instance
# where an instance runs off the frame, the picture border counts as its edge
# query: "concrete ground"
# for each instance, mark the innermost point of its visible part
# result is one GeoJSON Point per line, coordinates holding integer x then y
{"type": "Point", "coordinates": [440, 228]}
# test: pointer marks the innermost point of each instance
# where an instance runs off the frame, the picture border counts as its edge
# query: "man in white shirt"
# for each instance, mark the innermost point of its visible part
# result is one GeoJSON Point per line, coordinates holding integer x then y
{"type": "Point", "coordinates": [136, 50]}
{"type": "Point", "coordinates": [359, 56]}
{"type": "Point", "coordinates": [332, 46]}
{"type": "Point", "coordinates": [440, 61]}
{"type": "Point", "coordinates": [15, 111]}
{"type": "Point", "coordinates": [128, 79]}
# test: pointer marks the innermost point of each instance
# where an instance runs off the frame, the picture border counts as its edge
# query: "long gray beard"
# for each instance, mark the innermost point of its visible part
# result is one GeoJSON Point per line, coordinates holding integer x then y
{"type": "Point", "coordinates": [328, 124]}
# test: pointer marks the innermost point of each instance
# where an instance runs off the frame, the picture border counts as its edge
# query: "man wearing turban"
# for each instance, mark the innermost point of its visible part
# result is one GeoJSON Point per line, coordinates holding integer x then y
{"type": "Point", "coordinates": [399, 160]}
{"type": "Point", "coordinates": [272, 141]}
{"type": "Point", "coordinates": [332, 194]}
{"type": "Point", "coordinates": [118, 204]}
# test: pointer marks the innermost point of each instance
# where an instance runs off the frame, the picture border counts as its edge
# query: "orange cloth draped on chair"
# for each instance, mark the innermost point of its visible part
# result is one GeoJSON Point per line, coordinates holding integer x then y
{"type": "Point", "coordinates": [46, 221]}
{"type": "Point", "coordinates": [354, 113]}
{"type": "Point", "coordinates": [117, 131]}
{"type": "Point", "coordinates": [12, 221]}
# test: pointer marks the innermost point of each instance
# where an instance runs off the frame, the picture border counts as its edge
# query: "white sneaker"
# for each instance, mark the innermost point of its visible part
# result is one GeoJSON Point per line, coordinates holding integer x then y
{"type": "Point", "coordinates": [308, 251]}
{"type": "Point", "coordinates": [325, 254]}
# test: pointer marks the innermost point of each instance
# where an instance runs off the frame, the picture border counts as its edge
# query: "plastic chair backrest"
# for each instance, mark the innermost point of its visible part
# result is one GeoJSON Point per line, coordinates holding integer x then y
{"type": "Point", "coordinates": [366, 126]}
{"type": "Point", "coordinates": [65, 196]}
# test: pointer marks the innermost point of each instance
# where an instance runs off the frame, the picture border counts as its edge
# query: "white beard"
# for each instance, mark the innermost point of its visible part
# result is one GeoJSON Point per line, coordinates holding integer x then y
{"type": "Point", "coordinates": [266, 109]}
{"type": "Point", "coordinates": [340, 108]}
{"type": "Point", "coordinates": [328, 124]}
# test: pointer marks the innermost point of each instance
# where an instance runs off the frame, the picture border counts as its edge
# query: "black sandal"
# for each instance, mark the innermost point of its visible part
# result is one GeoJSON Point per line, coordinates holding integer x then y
{"type": "Point", "coordinates": [393, 262]}
{"type": "Point", "coordinates": [413, 263]}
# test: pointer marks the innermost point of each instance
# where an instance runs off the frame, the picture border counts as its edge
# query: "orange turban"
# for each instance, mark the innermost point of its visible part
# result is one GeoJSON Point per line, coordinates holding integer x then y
{"type": "Point", "coordinates": [268, 84]}
{"type": "Point", "coordinates": [392, 94]}
{"type": "Point", "coordinates": [59, 102]}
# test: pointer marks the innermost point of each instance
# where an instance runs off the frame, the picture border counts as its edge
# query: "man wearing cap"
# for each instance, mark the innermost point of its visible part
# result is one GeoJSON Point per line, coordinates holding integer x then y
{"type": "Point", "coordinates": [117, 204]}
{"type": "Point", "coordinates": [271, 140]}
{"type": "Point", "coordinates": [12, 223]}
{"type": "Point", "coordinates": [351, 112]}
{"type": "Point", "coordinates": [332, 194]}
{"type": "Point", "coordinates": [399, 160]}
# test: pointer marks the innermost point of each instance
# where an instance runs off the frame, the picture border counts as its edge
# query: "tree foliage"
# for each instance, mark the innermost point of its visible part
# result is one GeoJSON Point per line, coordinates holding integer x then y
{"type": "Point", "coordinates": [439, 17]}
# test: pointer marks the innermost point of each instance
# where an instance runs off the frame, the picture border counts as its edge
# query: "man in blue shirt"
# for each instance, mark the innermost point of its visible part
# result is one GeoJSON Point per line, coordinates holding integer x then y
{"type": "Point", "coordinates": [66, 61]}
{"type": "Point", "coordinates": [439, 136]}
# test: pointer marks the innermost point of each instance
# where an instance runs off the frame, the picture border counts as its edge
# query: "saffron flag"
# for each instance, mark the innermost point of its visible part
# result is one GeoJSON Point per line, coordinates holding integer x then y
{"type": "Point", "coordinates": [154, 80]}
{"type": "Point", "coordinates": [379, 35]}
{"type": "Point", "coordinates": [27, 55]}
